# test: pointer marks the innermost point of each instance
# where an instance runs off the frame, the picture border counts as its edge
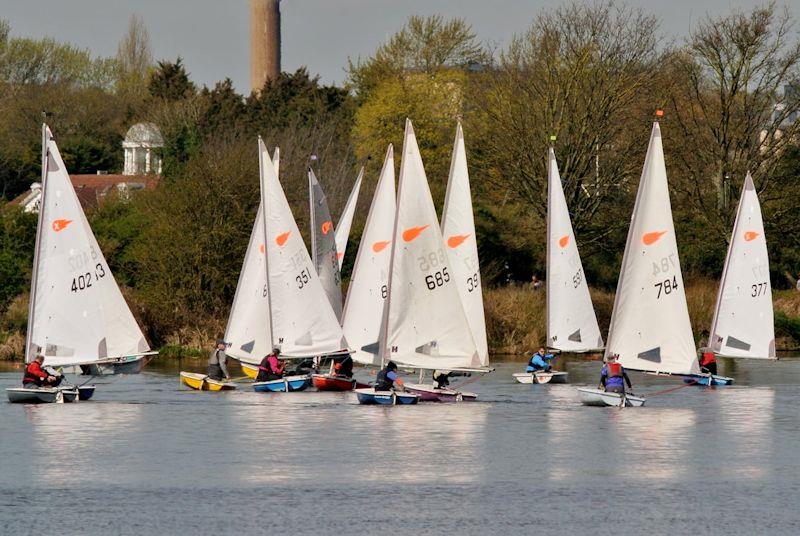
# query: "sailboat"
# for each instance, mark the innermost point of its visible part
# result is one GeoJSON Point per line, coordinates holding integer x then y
{"type": "Point", "coordinates": [323, 244]}
{"type": "Point", "coordinates": [571, 320]}
{"type": "Point", "coordinates": [743, 324]}
{"type": "Point", "coordinates": [368, 289]}
{"type": "Point", "coordinates": [424, 325]}
{"type": "Point", "coordinates": [650, 329]}
{"type": "Point", "coordinates": [77, 314]}
{"type": "Point", "coordinates": [280, 301]}
{"type": "Point", "coordinates": [342, 232]}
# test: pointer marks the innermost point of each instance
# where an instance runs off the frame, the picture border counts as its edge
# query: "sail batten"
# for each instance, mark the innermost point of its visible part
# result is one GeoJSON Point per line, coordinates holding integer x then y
{"type": "Point", "coordinates": [650, 327]}
{"type": "Point", "coordinates": [571, 320]}
{"type": "Point", "coordinates": [743, 323]}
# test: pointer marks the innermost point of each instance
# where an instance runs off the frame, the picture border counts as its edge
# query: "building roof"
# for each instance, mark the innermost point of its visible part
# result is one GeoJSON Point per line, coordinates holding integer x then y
{"type": "Point", "coordinates": [92, 189]}
{"type": "Point", "coordinates": [143, 134]}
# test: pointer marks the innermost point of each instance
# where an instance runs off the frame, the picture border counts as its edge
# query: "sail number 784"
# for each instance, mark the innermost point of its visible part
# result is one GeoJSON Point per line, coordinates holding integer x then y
{"type": "Point", "coordinates": [666, 287]}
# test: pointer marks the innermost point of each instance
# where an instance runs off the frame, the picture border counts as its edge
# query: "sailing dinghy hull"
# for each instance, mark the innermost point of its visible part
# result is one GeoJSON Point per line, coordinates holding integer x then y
{"type": "Point", "coordinates": [708, 380]}
{"type": "Point", "coordinates": [370, 396]}
{"type": "Point", "coordinates": [44, 395]}
{"type": "Point", "coordinates": [289, 384]}
{"type": "Point", "coordinates": [429, 393]}
{"type": "Point", "coordinates": [541, 377]}
{"type": "Point", "coordinates": [125, 365]}
{"type": "Point", "coordinates": [201, 382]}
{"type": "Point", "coordinates": [596, 397]}
{"type": "Point", "coordinates": [332, 382]}
{"type": "Point", "coordinates": [251, 371]}
{"type": "Point", "coordinates": [85, 392]}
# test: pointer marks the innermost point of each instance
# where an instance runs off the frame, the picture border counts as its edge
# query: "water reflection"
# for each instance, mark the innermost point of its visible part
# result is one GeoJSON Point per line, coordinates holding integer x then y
{"type": "Point", "coordinates": [746, 417]}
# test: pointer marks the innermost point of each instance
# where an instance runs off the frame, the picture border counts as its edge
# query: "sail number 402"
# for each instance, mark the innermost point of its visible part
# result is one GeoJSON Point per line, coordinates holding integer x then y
{"type": "Point", "coordinates": [84, 281]}
{"type": "Point", "coordinates": [666, 286]}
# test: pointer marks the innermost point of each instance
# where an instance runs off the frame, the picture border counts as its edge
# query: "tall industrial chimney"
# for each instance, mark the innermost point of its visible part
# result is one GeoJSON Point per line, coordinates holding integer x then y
{"type": "Point", "coordinates": [265, 42]}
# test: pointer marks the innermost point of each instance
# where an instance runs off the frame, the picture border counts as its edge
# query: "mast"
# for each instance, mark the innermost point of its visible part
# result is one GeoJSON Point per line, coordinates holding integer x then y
{"type": "Point", "coordinates": [261, 150]}
{"type": "Point", "coordinates": [550, 157]}
{"type": "Point", "coordinates": [35, 273]}
{"type": "Point", "coordinates": [313, 221]}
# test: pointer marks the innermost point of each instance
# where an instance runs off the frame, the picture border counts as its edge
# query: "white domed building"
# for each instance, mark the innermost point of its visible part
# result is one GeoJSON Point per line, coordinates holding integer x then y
{"type": "Point", "coordinates": [140, 146]}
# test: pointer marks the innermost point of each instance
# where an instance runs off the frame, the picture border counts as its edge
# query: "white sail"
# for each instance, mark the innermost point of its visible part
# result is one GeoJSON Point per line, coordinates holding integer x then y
{"type": "Point", "coordinates": [366, 295]}
{"type": "Point", "coordinates": [346, 219]}
{"type": "Point", "coordinates": [276, 161]}
{"type": "Point", "coordinates": [571, 321]}
{"type": "Point", "coordinates": [248, 331]}
{"type": "Point", "coordinates": [743, 324]}
{"type": "Point", "coordinates": [425, 325]}
{"type": "Point", "coordinates": [303, 323]}
{"type": "Point", "coordinates": [458, 228]}
{"type": "Point", "coordinates": [650, 328]}
{"type": "Point", "coordinates": [323, 244]}
{"type": "Point", "coordinates": [78, 313]}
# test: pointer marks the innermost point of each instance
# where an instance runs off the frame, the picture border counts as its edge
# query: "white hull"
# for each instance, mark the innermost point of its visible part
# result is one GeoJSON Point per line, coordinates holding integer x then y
{"type": "Point", "coordinates": [125, 365]}
{"type": "Point", "coordinates": [541, 377]}
{"type": "Point", "coordinates": [44, 395]}
{"type": "Point", "coordinates": [431, 393]}
{"type": "Point", "coordinates": [596, 397]}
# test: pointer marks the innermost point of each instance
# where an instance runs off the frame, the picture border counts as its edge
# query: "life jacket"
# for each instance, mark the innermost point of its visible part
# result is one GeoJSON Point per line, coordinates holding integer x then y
{"type": "Point", "coordinates": [707, 359]}
{"type": "Point", "coordinates": [614, 370]}
{"type": "Point", "coordinates": [382, 381]}
{"type": "Point", "coordinates": [30, 376]}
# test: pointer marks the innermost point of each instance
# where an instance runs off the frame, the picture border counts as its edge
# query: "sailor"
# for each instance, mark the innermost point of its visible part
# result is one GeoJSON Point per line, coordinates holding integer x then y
{"type": "Point", "coordinates": [271, 368]}
{"type": "Point", "coordinates": [217, 368]}
{"type": "Point", "coordinates": [441, 378]}
{"type": "Point", "coordinates": [344, 367]}
{"type": "Point", "coordinates": [387, 378]}
{"type": "Point", "coordinates": [708, 363]}
{"type": "Point", "coordinates": [540, 361]}
{"type": "Point", "coordinates": [613, 376]}
{"type": "Point", "coordinates": [35, 376]}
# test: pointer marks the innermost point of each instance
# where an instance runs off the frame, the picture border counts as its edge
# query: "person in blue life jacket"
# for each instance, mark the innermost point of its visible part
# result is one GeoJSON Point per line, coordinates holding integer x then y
{"type": "Point", "coordinates": [613, 376]}
{"type": "Point", "coordinates": [387, 377]}
{"type": "Point", "coordinates": [540, 362]}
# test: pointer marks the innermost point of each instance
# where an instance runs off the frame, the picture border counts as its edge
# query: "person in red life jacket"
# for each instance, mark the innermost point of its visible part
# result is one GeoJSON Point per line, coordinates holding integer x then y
{"type": "Point", "coordinates": [271, 368]}
{"type": "Point", "coordinates": [35, 376]}
{"type": "Point", "coordinates": [708, 363]}
{"type": "Point", "coordinates": [613, 376]}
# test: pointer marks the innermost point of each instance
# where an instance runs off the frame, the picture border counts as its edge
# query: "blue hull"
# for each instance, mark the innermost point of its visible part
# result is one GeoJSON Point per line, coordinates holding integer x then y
{"type": "Point", "coordinates": [385, 398]}
{"type": "Point", "coordinates": [706, 381]}
{"type": "Point", "coordinates": [298, 383]}
{"type": "Point", "coordinates": [85, 392]}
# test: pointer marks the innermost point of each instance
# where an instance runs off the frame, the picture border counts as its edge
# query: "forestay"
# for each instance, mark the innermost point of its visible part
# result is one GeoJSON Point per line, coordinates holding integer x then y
{"type": "Point", "coordinates": [346, 219]}
{"type": "Point", "coordinates": [323, 244]}
{"type": "Point", "coordinates": [743, 324]}
{"type": "Point", "coordinates": [303, 322]}
{"type": "Point", "coordinates": [458, 228]}
{"type": "Point", "coordinates": [78, 314]}
{"type": "Point", "coordinates": [366, 295]}
{"type": "Point", "coordinates": [571, 321]}
{"type": "Point", "coordinates": [425, 325]}
{"type": "Point", "coordinates": [650, 327]}
{"type": "Point", "coordinates": [248, 332]}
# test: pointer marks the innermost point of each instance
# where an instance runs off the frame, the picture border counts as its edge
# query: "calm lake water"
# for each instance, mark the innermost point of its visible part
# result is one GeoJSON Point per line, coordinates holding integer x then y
{"type": "Point", "coordinates": [147, 458]}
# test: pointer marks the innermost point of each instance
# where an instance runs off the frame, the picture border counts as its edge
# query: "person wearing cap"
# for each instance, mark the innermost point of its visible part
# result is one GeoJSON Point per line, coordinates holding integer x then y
{"type": "Point", "coordinates": [613, 376]}
{"type": "Point", "coordinates": [217, 362]}
{"type": "Point", "coordinates": [271, 368]}
{"type": "Point", "coordinates": [387, 378]}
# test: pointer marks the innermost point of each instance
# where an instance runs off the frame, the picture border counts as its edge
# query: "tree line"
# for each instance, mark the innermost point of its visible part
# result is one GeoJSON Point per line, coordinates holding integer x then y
{"type": "Point", "coordinates": [589, 74]}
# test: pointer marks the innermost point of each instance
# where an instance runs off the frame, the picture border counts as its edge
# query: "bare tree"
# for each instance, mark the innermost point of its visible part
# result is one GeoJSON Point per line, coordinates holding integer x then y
{"type": "Point", "coordinates": [134, 55]}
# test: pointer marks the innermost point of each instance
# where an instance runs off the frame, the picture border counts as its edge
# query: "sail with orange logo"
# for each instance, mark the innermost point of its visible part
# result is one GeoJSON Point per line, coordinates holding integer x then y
{"type": "Point", "coordinates": [367, 292]}
{"type": "Point", "coordinates": [458, 228]}
{"type": "Point", "coordinates": [743, 323]}
{"type": "Point", "coordinates": [424, 324]}
{"type": "Point", "coordinates": [346, 219]}
{"type": "Point", "coordinates": [323, 244]}
{"type": "Point", "coordinates": [77, 314]}
{"type": "Point", "coordinates": [650, 328]}
{"type": "Point", "coordinates": [248, 331]}
{"type": "Point", "coordinates": [301, 319]}
{"type": "Point", "coordinates": [571, 320]}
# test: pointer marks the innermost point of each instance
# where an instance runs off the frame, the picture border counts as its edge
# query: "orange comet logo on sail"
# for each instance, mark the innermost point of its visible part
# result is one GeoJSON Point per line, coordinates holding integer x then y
{"type": "Point", "coordinates": [326, 227]}
{"type": "Point", "coordinates": [413, 232]}
{"type": "Point", "coordinates": [282, 238]}
{"type": "Point", "coordinates": [60, 225]}
{"type": "Point", "coordinates": [456, 240]}
{"type": "Point", "coordinates": [651, 238]}
{"type": "Point", "coordinates": [261, 248]}
{"type": "Point", "coordinates": [563, 241]}
{"type": "Point", "coordinates": [339, 254]}
{"type": "Point", "coordinates": [749, 236]}
{"type": "Point", "coordinates": [379, 246]}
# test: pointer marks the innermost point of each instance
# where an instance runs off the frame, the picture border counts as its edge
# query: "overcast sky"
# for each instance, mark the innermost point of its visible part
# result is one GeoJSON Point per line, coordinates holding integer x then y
{"type": "Point", "coordinates": [212, 35]}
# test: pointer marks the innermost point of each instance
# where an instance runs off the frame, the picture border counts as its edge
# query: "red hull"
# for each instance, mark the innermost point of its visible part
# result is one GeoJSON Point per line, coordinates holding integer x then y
{"type": "Point", "coordinates": [326, 382]}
